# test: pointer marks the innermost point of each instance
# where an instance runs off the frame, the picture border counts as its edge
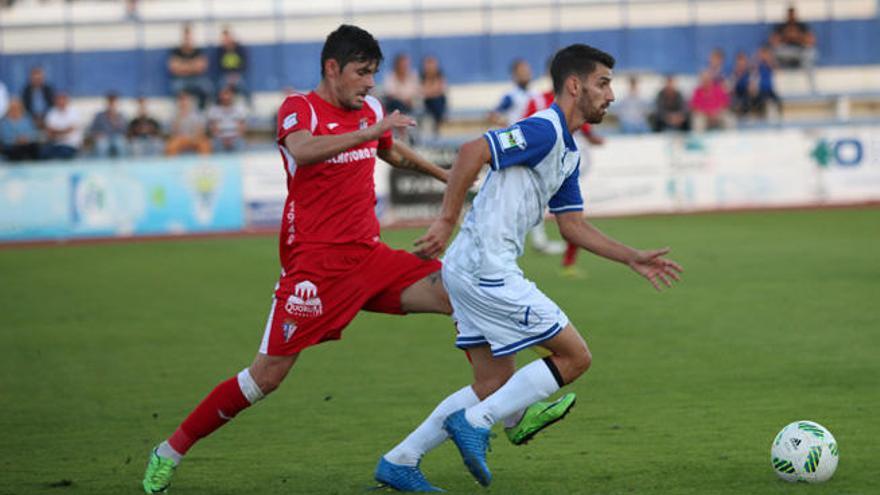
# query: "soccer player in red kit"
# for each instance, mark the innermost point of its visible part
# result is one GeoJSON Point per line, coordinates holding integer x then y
{"type": "Point", "coordinates": [333, 263]}
{"type": "Point", "coordinates": [536, 104]}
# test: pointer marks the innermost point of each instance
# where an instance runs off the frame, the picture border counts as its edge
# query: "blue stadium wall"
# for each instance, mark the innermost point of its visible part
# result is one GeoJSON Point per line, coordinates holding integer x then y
{"type": "Point", "coordinates": [465, 59]}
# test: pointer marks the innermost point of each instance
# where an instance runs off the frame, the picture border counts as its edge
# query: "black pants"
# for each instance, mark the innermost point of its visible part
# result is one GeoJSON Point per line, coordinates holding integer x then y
{"type": "Point", "coordinates": [436, 108]}
{"type": "Point", "coordinates": [19, 152]}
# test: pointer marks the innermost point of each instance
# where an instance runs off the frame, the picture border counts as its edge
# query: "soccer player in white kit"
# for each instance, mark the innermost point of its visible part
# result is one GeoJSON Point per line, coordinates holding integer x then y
{"type": "Point", "coordinates": [534, 164]}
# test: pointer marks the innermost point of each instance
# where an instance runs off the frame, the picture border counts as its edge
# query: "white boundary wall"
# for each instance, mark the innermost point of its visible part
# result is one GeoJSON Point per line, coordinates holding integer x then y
{"type": "Point", "coordinates": [666, 173]}
{"type": "Point", "coordinates": [758, 169]}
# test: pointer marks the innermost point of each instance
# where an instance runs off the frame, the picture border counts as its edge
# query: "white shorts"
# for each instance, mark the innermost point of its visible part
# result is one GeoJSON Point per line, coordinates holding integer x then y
{"type": "Point", "coordinates": [509, 313]}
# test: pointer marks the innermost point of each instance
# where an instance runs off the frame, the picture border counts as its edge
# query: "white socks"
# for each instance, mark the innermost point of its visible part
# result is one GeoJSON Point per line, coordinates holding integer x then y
{"type": "Point", "coordinates": [165, 450]}
{"type": "Point", "coordinates": [531, 383]}
{"type": "Point", "coordinates": [430, 433]}
{"type": "Point", "coordinates": [248, 386]}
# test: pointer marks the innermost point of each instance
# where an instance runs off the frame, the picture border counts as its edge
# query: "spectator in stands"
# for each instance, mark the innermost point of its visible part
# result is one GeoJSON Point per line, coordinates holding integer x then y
{"type": "Point", "coordinates": [632, 110]}
{"type": "Point", "coordinates": [187, 130]}
{"type": "Point", "coordinates": [108, 129]}
{"type": "Point", "coordinates": [670, 112]}
{"type": "Point", "coordinates": [794, 45]}
{"type": "Point", "coordinates": [513, 103]}
{"type": "Point", "coordinates": [434, 91]}
{"type": "Point", "coordinates": [767, 103]}
{"type": "Point", "coordinates": [64, 129]}
{"type": "Point", "coordinates": [228, 122]}
{"type": "Point", "coordinates": [710, 104]}
{"type": "Point", "coordinates": [37, 96]}
{"type": "Point", "coordinates": [131, 9]}
{"type": "Point", "coordinates": [232, 63]}
{"type": "Point", "coordinates": [401, 87]}
{"type": "Point", "coordinates": [144, 132]}
{"type": "Point", "coordinates": [188, 66]}
{"type": "Point", "coordinates": [19, 137]}
{"type": "Point", "coordinates": [744, 85]}
{"type": "Point", "coordinates": [716, 66]}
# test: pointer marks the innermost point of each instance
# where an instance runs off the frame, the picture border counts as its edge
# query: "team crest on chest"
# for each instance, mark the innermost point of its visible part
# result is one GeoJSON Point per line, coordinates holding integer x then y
{"type": "Point", "coordinates": [364, 123]}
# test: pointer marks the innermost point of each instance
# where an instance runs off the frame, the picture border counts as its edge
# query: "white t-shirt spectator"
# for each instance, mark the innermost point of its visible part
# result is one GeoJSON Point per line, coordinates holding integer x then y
{"type": "Point", "coordinates": [62, 119]}
{"type": "Point", "coordinates": [227, 120]}
{"type": "Point", "coordinates": [406, 90]}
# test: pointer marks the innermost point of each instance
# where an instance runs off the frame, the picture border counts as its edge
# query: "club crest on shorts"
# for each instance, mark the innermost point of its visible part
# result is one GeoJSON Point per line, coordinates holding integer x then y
{"type": "Point", "coordinates": [304, 301]}
{"type": "Point", "coordinates": [288, 328]}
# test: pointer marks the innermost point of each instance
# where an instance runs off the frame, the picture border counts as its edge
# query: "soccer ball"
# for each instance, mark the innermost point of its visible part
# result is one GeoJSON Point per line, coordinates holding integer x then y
{"type": "Point", "coordinates": [804, 451]}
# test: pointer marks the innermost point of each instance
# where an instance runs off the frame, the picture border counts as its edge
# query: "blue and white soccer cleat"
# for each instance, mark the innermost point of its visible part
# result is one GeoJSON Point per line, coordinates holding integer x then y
{"type": "Point", "coordinates": [403, 478]}
{"type": "Point", "coordinates": [472, 443]}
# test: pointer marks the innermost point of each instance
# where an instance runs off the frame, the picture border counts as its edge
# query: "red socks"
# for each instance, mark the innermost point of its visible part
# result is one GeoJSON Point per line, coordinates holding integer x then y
{"type": "Point", "coordinates": [570, 256]}
{"type": "Point", "coordinates": [221, 405]}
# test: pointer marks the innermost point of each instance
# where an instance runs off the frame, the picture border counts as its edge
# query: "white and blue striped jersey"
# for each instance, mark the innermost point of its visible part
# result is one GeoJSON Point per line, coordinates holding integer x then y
{"type": "Point", "coordinates": [535, 163]}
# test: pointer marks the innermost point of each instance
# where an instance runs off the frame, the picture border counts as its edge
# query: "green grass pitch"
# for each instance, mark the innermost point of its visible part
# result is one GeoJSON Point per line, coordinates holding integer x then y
{"type": "Point", "coordinates": [105, 348]}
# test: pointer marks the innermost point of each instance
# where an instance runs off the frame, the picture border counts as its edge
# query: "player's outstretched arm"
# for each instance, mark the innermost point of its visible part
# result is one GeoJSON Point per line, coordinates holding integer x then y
{"type": "Point", "coordinates": [402, 156]}
{"type": "Point", "coordinates": [649, 264]}
{"type": "Point", "coordinates": [307, 149]}
{"type": "Point", "coordinates": [471, 158]}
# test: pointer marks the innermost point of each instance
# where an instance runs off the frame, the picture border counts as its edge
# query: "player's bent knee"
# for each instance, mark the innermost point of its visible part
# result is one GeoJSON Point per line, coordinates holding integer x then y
{"type": "Point", "coordinates": [583, 361]}
{"type": "Point", "coordinates": [269, 371]}
{"type": "Point", "coordinates": [572, 366]}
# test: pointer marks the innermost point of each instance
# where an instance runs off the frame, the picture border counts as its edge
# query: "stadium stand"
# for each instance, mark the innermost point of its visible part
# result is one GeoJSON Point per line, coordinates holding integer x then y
{"type": "Point", "coordinates": [91, 47]}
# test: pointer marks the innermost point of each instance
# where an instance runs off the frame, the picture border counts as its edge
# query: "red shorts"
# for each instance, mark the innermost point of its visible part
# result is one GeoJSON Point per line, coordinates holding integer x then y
{"type": "Point", "coordinates": [328, 285]}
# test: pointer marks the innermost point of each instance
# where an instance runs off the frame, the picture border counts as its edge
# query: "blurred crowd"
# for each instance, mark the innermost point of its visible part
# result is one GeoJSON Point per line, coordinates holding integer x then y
{"type": "Point", "coordinates": [210, 115]}
{"type": "Point", "coordinates": [725, 94]}
{"type": "Point", "coordinates": [213, 102]}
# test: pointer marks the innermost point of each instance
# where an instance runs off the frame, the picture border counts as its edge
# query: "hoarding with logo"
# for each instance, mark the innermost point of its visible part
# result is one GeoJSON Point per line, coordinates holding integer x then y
{"type": "Point", "coordinates": [748, 169]}
{"type": "Point", "coordinates": [106, 199]}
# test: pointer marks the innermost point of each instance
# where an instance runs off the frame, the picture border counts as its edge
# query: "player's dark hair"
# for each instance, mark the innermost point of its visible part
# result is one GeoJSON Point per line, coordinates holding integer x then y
{"type": "Point", "coordinates": [350, 44]}
{"type": "Point", "coordinates": [577, 59]}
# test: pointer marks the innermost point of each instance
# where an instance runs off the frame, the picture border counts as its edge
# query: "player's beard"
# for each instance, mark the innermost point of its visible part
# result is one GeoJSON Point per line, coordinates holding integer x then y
{"type": "Point", "coordinates": [595, 115]}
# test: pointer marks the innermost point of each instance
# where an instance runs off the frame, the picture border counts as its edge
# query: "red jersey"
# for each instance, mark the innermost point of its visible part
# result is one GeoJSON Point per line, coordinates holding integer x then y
{"type": "Point", "coordinates": [332, 202]}
{"type": "Point", "coordinates": [544, 100]}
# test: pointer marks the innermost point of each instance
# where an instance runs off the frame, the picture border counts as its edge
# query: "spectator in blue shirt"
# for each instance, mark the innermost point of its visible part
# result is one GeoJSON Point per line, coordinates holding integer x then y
{"type": "Point", "coordinates": [108, 130]}
{"type": "Point", "coordinates": [19, 137]}
{"type": "Point", "coordinates": [743, 84]}
{"type": "Point", "coordinates": [766, 92]}
{"type": "Point", "coordinates": [633, 110]}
